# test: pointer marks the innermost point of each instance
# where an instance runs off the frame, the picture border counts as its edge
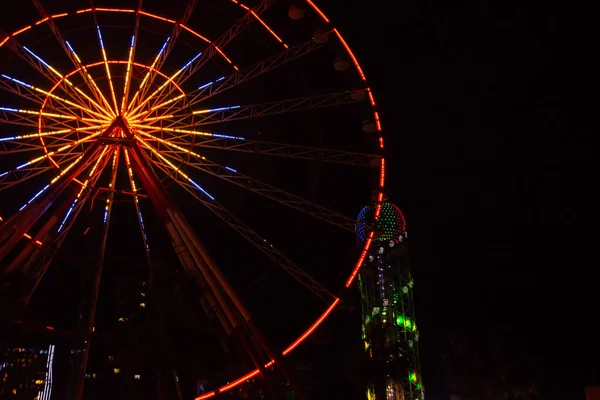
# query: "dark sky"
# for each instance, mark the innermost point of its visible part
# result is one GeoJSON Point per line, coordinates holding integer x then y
{"type": "Point", "coordinates": [492, 173]}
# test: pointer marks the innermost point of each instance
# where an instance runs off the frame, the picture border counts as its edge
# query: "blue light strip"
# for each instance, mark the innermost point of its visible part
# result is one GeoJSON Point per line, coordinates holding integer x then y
{"type": "Point", "coordinates": [67, 216]}
{"type": "Point", "coordinates": [163, 47]}
{"type": "Point", "coordinates": [189, 62]}
{"type": "Point", "coordinates": [223, 108]}
{"type": "Point", "coordinates": [9, 109]}
{"type": "Point", "coordinates": [34, 197]}
{"type": "Point", "coordinates": [143, 230]}
{"type": "Point", "coordinates": [17, 81]}
{"type": "Point", "coordinates": [69, 46]}
{"type": "Point", "coordinates": [230, 169]}
{"type": "Point", "coordinates": [201, 189]}
{"type": "Point", "coordinates": [38, 58]}
{"type": "Point", "coordinates": [222, 136]}
{"type": "Point", "coordinates": [210, 83]}
{"type": "Point", "coordinates": [100, 36]}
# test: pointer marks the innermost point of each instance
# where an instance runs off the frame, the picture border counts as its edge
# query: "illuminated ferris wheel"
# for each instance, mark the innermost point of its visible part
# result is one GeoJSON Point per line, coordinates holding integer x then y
{"type": "Point", "coordinates": [126, 102]}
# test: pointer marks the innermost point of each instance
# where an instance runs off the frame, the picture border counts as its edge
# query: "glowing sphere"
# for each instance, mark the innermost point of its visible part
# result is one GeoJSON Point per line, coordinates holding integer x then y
{"type": "Point", "coordinates": [390, 226]}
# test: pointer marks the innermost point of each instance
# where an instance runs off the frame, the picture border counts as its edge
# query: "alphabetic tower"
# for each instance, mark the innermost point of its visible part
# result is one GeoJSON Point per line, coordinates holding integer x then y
{"type": "Point", "coordinates": [389, 331]}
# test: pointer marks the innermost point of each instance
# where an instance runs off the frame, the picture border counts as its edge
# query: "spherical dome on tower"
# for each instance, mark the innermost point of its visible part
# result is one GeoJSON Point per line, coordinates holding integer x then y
{"type": "Point", "coordinates": [390, 226]}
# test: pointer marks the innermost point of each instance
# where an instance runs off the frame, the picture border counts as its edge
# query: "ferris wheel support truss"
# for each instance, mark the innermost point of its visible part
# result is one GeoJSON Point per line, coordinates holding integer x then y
{"type": "Point", "coordinates": [216, 297]}
{"type": "Point", "coordinates": [97, 278]}
{"type": "Point", "coordinates": [39, 262]}
{"type": "Point", "coordinates": [230, 303]}
{"type": "Point", "coordinates": [254, 238]}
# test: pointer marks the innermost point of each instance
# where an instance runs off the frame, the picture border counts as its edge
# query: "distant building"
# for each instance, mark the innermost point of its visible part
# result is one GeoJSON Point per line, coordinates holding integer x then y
{"type": "Point", "coordinates": [26, 373]}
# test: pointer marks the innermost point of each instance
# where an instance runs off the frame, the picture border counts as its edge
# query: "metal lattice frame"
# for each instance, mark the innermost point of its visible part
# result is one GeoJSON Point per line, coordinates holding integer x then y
{"type": "Point", "coordinates": [73, 128]}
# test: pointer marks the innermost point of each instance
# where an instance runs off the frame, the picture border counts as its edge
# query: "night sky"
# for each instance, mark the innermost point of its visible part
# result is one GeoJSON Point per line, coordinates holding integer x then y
{"type": "Point", "coordinates": [492, 174]}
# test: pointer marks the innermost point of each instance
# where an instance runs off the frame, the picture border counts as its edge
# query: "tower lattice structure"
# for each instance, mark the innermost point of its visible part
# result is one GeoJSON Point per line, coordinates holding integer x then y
{"type": "Point", "coordinates": [389, 330]}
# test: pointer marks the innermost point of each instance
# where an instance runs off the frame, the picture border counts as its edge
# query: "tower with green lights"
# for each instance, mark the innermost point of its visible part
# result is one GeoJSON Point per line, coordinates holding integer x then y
{"type": "Point", "coordinates": [389, 331]}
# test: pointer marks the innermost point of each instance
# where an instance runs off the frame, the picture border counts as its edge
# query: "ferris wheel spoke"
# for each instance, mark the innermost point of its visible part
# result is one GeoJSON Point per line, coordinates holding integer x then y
{"type": "Point", "coordinates": [37, 135]}
{"type": "Point", "coordinates": [276, 149]}
{"type": "Point", "coordinates": [24, 92]}
{"type": "Point", "coordinates": [17, 116]}
{"type": "Point", "coordinates": [222, 84]}
{"type": "Point", "coordinates": [46, 70]}
{"type": "Point", "coordinates": [231, 175]}
{"type": "Point", "coordinates": [20, 83]}
{"type": "Point", "coordinates": [66, 149]}
{"type": "Point", "coordinates": [24, 174]}
{"type": "Point", "coordinates": [131, 57]}
{"type": "Point", "coordinates": [235, 112]}
{"type": "Point", "coordinates": [31, 142]}
{"type": "Point", "coordinates": [106, 66]}
{"type": "Point", "coordinates": [141, 87]}
{"type": "Point", "coordinates": [12, 116]}
{"type": "Point", "coordinates": [11, 147]}
{"type": "Point", "coordinates": [8, 180]}
{"type": "Point", "coordinates": [164, 54]}
{"type": "Point", "coordinates": [160, 89]}
{"type": "Point", "coordinates": [216, 46]}
{"type": "Point", "coordinates": [90, 83]}
{"type": "Point", "coordinates": [251, 236]}
{"type": "Point", "coordinates": [92, 86]}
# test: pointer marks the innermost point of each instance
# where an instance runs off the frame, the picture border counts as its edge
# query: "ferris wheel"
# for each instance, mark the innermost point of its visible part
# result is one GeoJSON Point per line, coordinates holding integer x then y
{"type": "Point", "coordinates": [171, 112]}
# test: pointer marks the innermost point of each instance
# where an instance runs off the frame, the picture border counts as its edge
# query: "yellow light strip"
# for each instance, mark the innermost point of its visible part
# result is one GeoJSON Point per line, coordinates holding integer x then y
{"type": "Point", "coordinates": [127, 76]}
{"type": "Point", "coordinates": [166, 142]}
{"type": "Point", "coordinates": [153, 118]}
{"type": "Point", "coordinates": [153, 150]}
{"type": "Point", "coordinates": [54, 115]}
{"type": "Point", "coordinates": [137, 93]}
{"type": "Point", "coordinates": [65, 147]}
{"type": "Point", "coordinates": [64, 171]}
{"type": "Point", "coordinates": [161, 87]}
{"type": "Point", "coordinates": [99, 115]}
{"type": "Point", "coordinates": [82, 67]}
{"type": "Point", "coordinates": [110, 83]}
{"type": "Point", "coordinates": [61, 131]}
{"type": "Point", "coordinates": [175, 130]}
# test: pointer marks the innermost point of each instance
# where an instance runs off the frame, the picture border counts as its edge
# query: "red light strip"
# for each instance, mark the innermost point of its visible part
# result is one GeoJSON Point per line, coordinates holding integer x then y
{"type": "Point", "coordinates": [147, 14]}
{"type": "Point", "coordinates": [263, 23]}
{"type": "Point", "coordinates": [313, 5]}
{"type": "Point", "coordinates": [288, 350]}
{"type": "Point", "coordinates": [312, 328]}
{"type": "Point", "coordinates": [367, 243]}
